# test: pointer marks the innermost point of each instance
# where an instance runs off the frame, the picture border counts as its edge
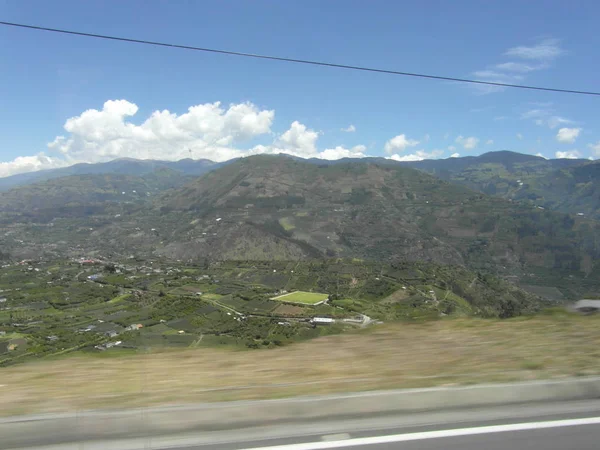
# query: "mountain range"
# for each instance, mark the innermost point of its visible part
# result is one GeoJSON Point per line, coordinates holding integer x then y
{"type": "Point", "coordinates": [566, 185]}
{"type": "Point", "coordinates": [122, 166]}
{"type": "Point", "coordinates": [279, 207]}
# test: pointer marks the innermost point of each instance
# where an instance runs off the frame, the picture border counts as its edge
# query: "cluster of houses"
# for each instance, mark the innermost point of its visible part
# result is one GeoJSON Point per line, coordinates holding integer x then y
{"type": "Point", "coordinates": [108, 345]}
{"type": "Point", "coordinates": [109, 330]}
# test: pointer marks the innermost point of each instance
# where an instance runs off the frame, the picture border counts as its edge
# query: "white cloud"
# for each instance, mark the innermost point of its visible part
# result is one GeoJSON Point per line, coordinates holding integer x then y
{"type": "Point", "coordinates": [568, 135]}
{"type": "Point", "coordinates": [468, 143]}
{"type": "Point", "coordinates": [24, 164]}
{"type": "Point", "coordinates": [556, 121]}
{"type": "Point", "coordinates": [302, 141]}
{"type": "Point", "coordinates": [516, 67]}
{"type": "Point", "coordinates": [298, 140]}
{"type": "Point", "coordinates": [569, 154]}
{"type": "Point", "coordinates": [451, 148]}
{"type": "Point", "coordinates": [419, 155]}
{"type": "Point", "coordinates": [538, 57]}
{"type": "Point", "coordinates": [595, 147]}
{"type": "Point", "coordinates": [545, 117]}
{"type": "Point", "coordinates": [426, 138]}
{"type": "Point", "coordinates": [205, 131]}
{"type": "Point", "coordinates": [499, 118]}
{"type": "Point", "coordinates": [399, 144]}
{"type": "Point", "coordinates": [545, 50]}
{"type": "Point", "coordinates": [497, 77]}
{"type": "Point", "coordinates": [351, 129]}
{"type": "Point", "coordinates": [489, 142]}
{"type": "Point", "coordinates": [540, 155]}
{"type": "Point", "coordinates": [454, 155]}
{"type": "Point", "coordinates": [492, 76]}
{"type": "Point", "coordinates": [341, 152]}
{"type": "Point", "coordinates": [519, 136]}
{"type": "Point", "coordinates": [208, 129]}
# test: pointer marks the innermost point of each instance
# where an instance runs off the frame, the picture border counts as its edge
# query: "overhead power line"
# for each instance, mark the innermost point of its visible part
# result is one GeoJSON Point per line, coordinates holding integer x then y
{"type": "Point", "coordinates": [297, 61]}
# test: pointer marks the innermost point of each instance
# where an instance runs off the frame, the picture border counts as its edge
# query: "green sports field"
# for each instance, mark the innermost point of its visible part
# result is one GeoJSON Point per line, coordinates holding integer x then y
{"type": "Point", "coordinates": [308, 298]}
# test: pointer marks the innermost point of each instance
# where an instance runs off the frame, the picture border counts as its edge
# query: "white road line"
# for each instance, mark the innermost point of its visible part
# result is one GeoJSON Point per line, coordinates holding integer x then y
{"type": "Point", "coordinates": [433, 435]}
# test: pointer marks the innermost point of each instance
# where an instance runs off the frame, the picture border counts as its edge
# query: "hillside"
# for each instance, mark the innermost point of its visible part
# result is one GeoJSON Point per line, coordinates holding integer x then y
{"type": "Point", "coordinates": [574, 190]}
{"type": "Point", "coordinates": [362, 209]}
{"type": "Point", "coordinates": [565, 185]}
{"type": "Point", "coordinates": [84, 195]}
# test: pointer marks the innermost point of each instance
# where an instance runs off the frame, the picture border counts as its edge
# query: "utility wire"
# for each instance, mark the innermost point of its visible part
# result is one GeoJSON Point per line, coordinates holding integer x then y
{"type": "Point", "coordinates": [297, 61]}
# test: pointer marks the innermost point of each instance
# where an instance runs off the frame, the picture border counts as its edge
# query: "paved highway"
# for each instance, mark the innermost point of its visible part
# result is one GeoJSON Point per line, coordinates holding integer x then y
{"type": "Point", "coordinates": [558, 426]}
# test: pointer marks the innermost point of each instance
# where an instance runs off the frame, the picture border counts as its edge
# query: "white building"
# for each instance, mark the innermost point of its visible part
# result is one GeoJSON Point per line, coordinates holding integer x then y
{"type": "Point", "coordinates": [322, 320]}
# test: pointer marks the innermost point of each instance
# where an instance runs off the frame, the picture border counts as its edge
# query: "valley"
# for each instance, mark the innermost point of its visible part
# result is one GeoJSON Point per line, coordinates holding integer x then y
{"type": "Point", "coordinates": [267, 251]}
{"type": "Point", "coordinates": [55, 307]}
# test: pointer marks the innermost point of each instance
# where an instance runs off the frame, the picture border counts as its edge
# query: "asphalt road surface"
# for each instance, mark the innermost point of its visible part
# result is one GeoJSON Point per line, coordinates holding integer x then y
{"type": "Point", "coordinates": [557, 426]}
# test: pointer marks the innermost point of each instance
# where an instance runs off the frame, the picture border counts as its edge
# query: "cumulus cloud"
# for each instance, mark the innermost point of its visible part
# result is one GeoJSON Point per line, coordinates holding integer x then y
{"type": "Point", "coordinates": [540, 155]}
{"type": "Point", "coordinates": [209, 130]}
{"type": "Point", "coordinates": [454, 155]}
{"type": "Point", "coordinates": [350, 129]}
{"type": "Point", "coordinates": [338, 152]}
{"type": "Point", "coordinates": [567, 135]}
{"type": "Point", "coordinates": [399, 144]}
{"type": "Point", "coordinates": [468, 143]}
{"type": "Point", "coordinates": [24, 164]}
{"type": "Point", "coordinates": [299, 140]}
{"type": "Point", "coordinates": [569, 154]}
{"type": "Point", "coordinates": [419, 155]}
{"type": "Point", "coordinates": [489, 142]}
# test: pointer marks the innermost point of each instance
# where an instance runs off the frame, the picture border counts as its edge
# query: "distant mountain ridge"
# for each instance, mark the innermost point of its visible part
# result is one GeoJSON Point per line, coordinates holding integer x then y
{"type": "Point", "coordinates": [87, 194]}
{"type": "Point", "coordinates": [567, 185]}
{"type": "Point", "coordinates": [122, 166]}
{"type": "Point", "coordinates": [538, 181]}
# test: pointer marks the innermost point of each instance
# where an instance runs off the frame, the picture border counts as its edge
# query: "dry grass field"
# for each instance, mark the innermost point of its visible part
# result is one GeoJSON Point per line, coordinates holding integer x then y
{"type": "Point", "coordinates": [445, 352]}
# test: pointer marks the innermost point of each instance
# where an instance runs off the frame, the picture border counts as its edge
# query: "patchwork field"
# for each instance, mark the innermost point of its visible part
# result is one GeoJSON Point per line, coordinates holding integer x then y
{"type": "Point", "coordinates": [307, 298]}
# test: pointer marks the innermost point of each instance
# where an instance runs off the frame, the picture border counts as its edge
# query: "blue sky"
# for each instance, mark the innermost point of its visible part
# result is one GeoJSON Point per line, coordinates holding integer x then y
{"type": "Point", "coordinates": [49, 81]}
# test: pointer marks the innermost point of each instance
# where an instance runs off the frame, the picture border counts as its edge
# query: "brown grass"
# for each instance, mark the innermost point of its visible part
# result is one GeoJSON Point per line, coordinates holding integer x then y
{"type": "Point", "coordinates": [445, 352]}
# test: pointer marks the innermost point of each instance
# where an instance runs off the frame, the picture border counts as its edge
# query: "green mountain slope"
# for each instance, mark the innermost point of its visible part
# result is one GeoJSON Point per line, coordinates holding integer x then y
{"type": "Point", "coordinates": [83, 195]}
{"type": "Point", "coordinates": [574, 190]}
{"type": "Point", "coordinates": [566, 185]}
{"type": "Point", "coordinates": [371, 211]}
